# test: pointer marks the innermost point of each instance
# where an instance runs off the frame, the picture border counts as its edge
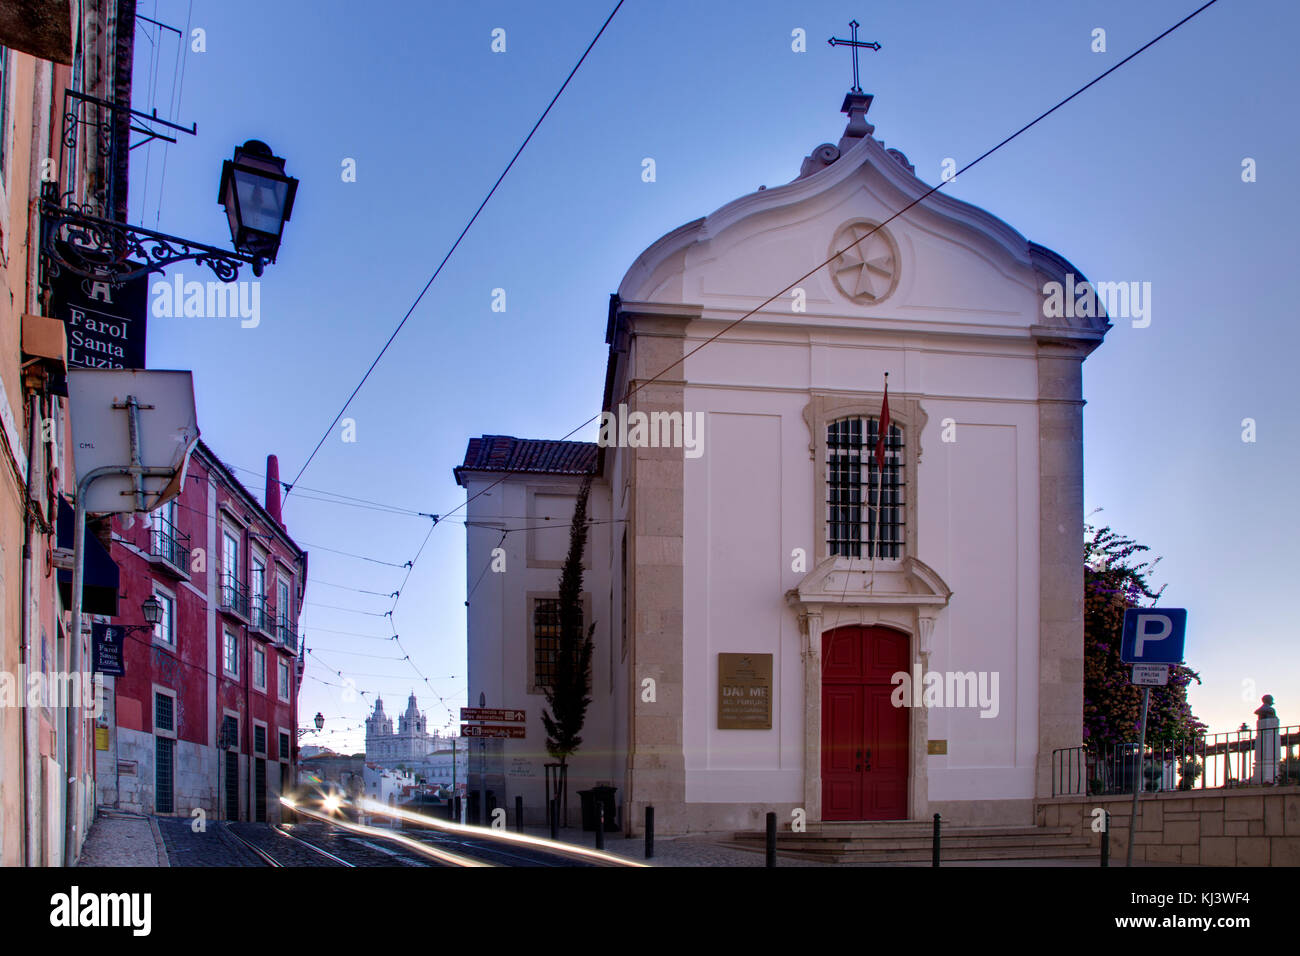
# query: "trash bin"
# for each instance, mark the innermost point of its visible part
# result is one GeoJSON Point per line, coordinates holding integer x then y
{"type": "Point", "coordinates": [592, 800]}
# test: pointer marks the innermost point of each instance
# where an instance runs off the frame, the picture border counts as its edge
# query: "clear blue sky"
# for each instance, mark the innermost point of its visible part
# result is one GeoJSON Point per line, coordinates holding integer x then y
{"type": "Point", "coordinates": [1138, 179]}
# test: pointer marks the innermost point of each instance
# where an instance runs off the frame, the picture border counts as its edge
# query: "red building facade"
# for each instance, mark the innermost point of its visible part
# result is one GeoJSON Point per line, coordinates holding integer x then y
{"type": "Point", "coordinates": [205, 715]}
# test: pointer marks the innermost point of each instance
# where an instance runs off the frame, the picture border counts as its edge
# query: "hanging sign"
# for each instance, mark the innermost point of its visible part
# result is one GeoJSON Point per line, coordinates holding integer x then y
{"type": "Point", "coordinates": [105, 325]}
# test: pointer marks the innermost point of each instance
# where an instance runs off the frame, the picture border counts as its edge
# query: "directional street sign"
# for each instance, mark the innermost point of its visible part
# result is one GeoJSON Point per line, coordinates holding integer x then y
{"type": "Point", "coordinates": [481, 730]}
{"type": "Point", "coordinates": [1151, 675]}
{"type": "Point", "coordinates": [492, 713]}
{"type": "Point", "coordinates": [1153, 635]}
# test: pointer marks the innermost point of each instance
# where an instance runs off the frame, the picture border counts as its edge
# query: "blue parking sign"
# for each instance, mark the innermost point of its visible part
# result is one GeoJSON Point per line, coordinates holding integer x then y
{"type": "Point", "coordinates": [1153, 635]}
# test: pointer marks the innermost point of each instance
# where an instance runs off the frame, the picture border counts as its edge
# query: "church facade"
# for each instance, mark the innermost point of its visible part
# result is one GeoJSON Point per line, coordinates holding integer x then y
{"type": "Point", "coordinates": [410, 746]}
{"type": "Point", "coordinates": [794, 612]}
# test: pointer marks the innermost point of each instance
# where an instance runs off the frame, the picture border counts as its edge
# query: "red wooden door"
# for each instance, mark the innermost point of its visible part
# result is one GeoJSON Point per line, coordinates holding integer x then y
{"type": "Point", "coordinates": [864, 737]}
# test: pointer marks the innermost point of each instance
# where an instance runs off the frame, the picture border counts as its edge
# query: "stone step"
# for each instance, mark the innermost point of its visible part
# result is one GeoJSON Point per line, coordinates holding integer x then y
{"type": "Point", "coordinates": [814, 835]}
{"type": "Point", "coordinates": [911, 842]}
{"type": "Point", "coordinates": [922, 855]}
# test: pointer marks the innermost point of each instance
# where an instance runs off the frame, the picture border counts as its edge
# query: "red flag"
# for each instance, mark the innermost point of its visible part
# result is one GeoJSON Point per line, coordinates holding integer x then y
{"type": "Point", "coordinates": [884, 430]}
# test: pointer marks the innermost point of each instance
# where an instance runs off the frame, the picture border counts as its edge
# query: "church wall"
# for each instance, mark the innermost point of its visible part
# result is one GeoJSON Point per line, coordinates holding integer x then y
{"type": "Point", "coordinates": [978, 518]}
{"type": "Point", "coordinates": [735, 603]}
{"type": "Point", "coordinates": [749, 500]}
{"type": "Point", "coordinates": [500, 626]}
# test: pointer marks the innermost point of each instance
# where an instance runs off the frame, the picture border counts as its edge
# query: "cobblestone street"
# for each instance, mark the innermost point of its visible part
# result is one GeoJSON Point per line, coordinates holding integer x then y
{"type": "Point", "coordinates": [123, 839]}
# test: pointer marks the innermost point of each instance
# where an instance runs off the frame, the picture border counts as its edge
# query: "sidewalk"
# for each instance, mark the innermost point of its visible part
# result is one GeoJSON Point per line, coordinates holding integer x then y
{"type": "Point", "coordinates": [118, 838]}
{"type": "Point", "coordinates": [704, 849]}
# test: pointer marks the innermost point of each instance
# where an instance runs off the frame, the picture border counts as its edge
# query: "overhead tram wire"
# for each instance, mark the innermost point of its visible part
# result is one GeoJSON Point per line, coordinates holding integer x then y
{"type": "Point", "coordinates": [455, 245]}
{"type": "Point", "coordinates": [925, 195]}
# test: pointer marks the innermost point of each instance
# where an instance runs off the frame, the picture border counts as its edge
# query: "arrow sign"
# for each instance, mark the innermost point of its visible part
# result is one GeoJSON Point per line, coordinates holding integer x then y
{"type": "Point", "coordinates": [492, 713]}
{"type": "Point", "coordinates": [480, 730]}
{"type": "Point", "coordinates": [1153, 635]}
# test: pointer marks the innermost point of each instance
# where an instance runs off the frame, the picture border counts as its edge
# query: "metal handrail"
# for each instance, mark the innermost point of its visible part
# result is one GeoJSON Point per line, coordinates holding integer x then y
{"type": "Point", "coordinates": [1201, 762]}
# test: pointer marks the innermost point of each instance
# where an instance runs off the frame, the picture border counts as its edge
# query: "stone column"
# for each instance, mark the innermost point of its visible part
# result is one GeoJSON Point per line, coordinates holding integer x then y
{"type": "Point", "coordinates": [1060, 542]}
{"type": "Point", "coordinates": [656, 762]}
{"type": "Point", "coordinates": [810, 624]}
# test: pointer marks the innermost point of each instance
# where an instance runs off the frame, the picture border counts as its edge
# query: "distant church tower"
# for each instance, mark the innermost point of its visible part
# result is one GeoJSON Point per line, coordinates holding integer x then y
{"type": "Point", "coordinates": [410, 746]}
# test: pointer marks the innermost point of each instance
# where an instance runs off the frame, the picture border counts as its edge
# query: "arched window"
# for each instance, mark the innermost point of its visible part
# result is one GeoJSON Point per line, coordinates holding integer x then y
{"type": "Point", "coordinates": [861, 505]}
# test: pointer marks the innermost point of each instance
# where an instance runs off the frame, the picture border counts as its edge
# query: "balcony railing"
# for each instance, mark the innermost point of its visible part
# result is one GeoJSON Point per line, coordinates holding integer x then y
{"type": "Point", "coordinates": [287, 634]}
{"type": "Point", "coordinates": [1240, 758]}
{"type": "Point", "coordinates": [167, 543]}
{"type": "Point", "coordinates": [262, 616]}
{"type": "Point", "coordinates": [234, 597]}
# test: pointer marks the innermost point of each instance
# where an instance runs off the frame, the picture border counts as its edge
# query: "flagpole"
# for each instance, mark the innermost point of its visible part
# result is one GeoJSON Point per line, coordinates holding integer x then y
{"type": "Point", "coordinates": [880, 477]}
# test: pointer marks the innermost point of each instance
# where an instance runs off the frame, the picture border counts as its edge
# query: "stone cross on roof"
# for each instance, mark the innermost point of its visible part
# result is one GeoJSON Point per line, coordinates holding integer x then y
{"type": "Point", "coordinates": [855, 44]}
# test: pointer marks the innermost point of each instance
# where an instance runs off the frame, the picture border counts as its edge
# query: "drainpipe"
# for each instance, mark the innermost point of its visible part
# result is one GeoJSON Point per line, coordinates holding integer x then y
{"type": "Point", "coordinates": [136, 472]}
{"type": "Point", "coordinates": [248, 722]}
{"type": "Point", "coordinates": [29, 743]}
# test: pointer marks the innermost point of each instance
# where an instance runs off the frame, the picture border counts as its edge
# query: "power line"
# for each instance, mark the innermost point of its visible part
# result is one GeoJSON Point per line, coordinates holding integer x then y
{"type": "Point", "coordinates": [362, 557]}
{"type": "Point", "coordinates": [454, 245]}
{"type": "Point", "coordinates": [350, 610]}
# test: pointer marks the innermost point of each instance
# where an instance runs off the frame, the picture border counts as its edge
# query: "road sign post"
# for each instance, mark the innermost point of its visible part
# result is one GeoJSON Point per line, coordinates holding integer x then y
{"type": "Point", "coordinates": [1152, 640]}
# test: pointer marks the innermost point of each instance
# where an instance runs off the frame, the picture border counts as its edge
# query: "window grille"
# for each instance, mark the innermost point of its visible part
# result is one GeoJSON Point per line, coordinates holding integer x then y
{"type": "Point", "coordinates": [546, 640]}
{"type": "Point", "coordinates": [163, 712]}
{"type": "Point", "coordinates": [857, 497]}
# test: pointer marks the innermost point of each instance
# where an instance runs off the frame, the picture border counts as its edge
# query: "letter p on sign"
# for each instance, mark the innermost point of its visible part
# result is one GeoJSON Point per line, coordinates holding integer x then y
{"type": "Point", "coordinates": [1153, 635]}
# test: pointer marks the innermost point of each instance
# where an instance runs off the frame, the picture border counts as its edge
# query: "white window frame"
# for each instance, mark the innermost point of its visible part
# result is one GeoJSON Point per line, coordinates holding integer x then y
{"type": "Point", "coordinates": [229, 638]}
{"type": "Point", "coordinates": [259, 654]}
{"type": "Point", "coordinates": [282, 691]}
{"type": "Point", "coordinates": [257, 596]}
{"type": "Point", "coordinates": [283, 582]}
{"type": "Point", "coordinates": [174, 733]}
{"type": "Point", "coordinates": [266, 734]}
{"type": "Point", "coordinates": [226, 536]}
{"type": "Point", "coordinates": [167, 598]}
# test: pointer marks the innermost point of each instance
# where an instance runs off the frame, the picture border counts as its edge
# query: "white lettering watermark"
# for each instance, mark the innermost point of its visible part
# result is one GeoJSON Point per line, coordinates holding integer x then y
{"type": "Point", "coordinates": [74, 908]}
{"type": "Point", "coordinates": [208, 300]}
{"type": "Point", "coordinates": [1121, 300]}
{"type": "Point", "coordinates": [946, 689]}
{"type": "Point", "coordinates": [55, 689]}
{"type": "Point", "coordinates": [624, 429]}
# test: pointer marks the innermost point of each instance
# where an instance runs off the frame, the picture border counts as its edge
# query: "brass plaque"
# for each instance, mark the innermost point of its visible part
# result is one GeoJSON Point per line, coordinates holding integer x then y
{"type": "Point", "coordinates": [936, 746]}
{"type": "Point", "coordinates": [744, 691]}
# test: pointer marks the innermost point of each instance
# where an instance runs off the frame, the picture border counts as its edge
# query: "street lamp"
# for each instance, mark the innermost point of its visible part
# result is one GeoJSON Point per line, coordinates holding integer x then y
{"type": "Point", "coordinates": [258, 198]}
{"type": "Point", "coordinates": [153, 615]}
{"type": "Point", "coordinates": [319, 721]}
{"type": "Point", "coordinates": [256, 193]}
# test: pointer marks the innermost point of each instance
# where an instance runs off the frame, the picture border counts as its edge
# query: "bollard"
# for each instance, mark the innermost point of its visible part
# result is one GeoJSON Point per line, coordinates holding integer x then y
{"type": "Point", "coordinates": [1105, 838]}
{"type": "Point", "coordinates": [649, 832]}
{"type": "Point", "coordinates": [600, 827]}
{"type": "Point", "coordinates": [934, 852]}
{"type": "Point", "coordinates": [519, 814]}
{"type": "Point", "coordinates": [771, 839]}
{"type": "Point", "coordinates": [554, 813]}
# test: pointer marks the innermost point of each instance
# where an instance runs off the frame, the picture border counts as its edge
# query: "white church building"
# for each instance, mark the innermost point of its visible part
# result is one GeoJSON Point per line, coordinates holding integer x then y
{"type": "Point", "coordinates": [754, 649]}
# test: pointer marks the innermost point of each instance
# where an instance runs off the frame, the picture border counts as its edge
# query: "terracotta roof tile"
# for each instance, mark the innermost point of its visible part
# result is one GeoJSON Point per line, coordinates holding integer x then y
{"type": "Point", "coordinates": [533, 456]}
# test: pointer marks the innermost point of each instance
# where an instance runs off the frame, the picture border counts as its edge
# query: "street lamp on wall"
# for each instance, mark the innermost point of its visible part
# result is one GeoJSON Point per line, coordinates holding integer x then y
{"type": "Point", "coordinates": [319, 721]}
{"type": "Point", "coordinates": [153, 614]}
{"type": "Point", "coordinates": [258, 198]}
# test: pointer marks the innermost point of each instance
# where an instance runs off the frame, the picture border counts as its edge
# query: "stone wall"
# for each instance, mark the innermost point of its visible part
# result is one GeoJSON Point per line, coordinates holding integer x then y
{"type": "Point", "coordinates": [1247, 826]}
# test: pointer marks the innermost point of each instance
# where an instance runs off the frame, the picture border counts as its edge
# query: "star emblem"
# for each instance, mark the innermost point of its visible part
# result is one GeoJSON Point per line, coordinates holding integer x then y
{"type": "Point", "coordinates": [865, 272]}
